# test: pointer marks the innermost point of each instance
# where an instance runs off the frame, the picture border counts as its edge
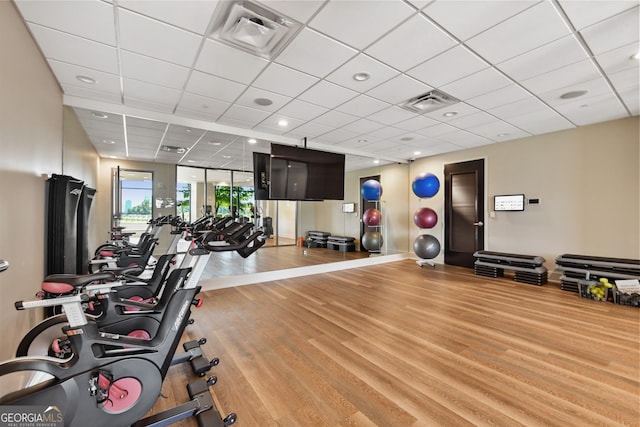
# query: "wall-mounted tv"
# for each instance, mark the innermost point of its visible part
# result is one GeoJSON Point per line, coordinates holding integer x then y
{"type": "Point", "coordinates": [508, 202]}
{"type": "Point", "coordinates": [303, 174]}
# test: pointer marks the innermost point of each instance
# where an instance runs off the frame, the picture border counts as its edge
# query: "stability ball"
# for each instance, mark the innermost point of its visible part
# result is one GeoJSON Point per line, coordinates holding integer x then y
{"type": "Point", "coordinates": [426, 246]}
{"type": "Point", "coordinates": [372, 241]}
{"type": "Point", "coordinates": [425, 218]}
{"type": "Point", "coordinates": [371, 190]}
{"type": "Point", "coordinates": [371, 217]}
{"type": "Point", "coordinates": [425, 185]}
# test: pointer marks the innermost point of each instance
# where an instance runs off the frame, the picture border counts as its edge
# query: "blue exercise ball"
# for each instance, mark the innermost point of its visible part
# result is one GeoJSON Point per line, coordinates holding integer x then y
{"type": "Point", "coordinates": [371, 190]}
{"type": "Point", "coordinates": [372, 241]}
{"type": "Point", "coordinates": [426, 246]}
{"type": "Point", "coordinates": [425, 185]}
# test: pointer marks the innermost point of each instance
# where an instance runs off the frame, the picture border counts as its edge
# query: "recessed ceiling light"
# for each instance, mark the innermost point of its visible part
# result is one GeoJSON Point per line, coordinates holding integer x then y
{"type": "Point", "coordinates": [573, 94]}
{"type": "Point", "coordinates": [188, 130]}
{"type": "Point", "coordinates": [99, 115]}
{"type": "Point", "coordinates": [502, 134]}
{"type": "Point", "coordinates": [283, 123]}
{"type": "Point", "coordinates": [251, 141]}
{"type": "Point", "coordinates": [226, 157]}
{"type": "Point", "coordinates": [113, 157]}
{"type": "Point", "coordinates": [416, 153]}
{"type": "Point", "coordinates": [216, 143]}
{"type": "Point", "coordinates": [191, 161]}
{"type": "Point", "coordinates": [263, 101]}
{"type": "Point", "coordinates": [108, 141]}
{"type": "Point", "coordinates": [450, 114]}
{"type": "Point", "coordinates": [376, 161]}
{"type": "Point", "coordinates": [362, 140]}
{"type": "Point", "coordinates": [636, 56]}
{"type": "Point", "coordinates": [361, 77]}
{"type": "Point", "coordinates": [87, 79]}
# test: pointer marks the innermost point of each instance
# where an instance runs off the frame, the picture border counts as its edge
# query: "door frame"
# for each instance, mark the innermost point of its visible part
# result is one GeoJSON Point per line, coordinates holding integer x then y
{"type": "Point", "coordinates": [460, 258]}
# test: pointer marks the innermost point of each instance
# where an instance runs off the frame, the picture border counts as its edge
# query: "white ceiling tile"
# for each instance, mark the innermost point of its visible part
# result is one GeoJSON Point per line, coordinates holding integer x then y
{"type": "Point", "coordinates": [399, 89]}
{"type": "Point", "coordinates": [472, 120]}
{"type": "Point", "coordinates": [498, 130]}
{"type": "Point", "coordinates": [485, 81]}
{"type": "Point", "coordinates": [379, 73]}
{"type": "Point", "coordinates": [248, 116]}
{"type": "Point", "coordinates": [225, 61]}
{"type": "Point", "coordinates": [590, 110]}
{"type": "Point", "coordinates": [214, 87]}
{"type": "Point", "coordinates": [82, 92]}
{"type": "Point", "coordinates": [520, 33]}
{"type": "Point", "coordinates": [414, 42]}
{"type": "Point", "coordinates": [363, 126]}
{"type": "Point", "coordinates": [465, 139]}
{"type": "Point", "coordinates": [310, 129]}
{"type": "Point", "coordinates": [385, 132]}
{"type": "Point", "coordinates": [360, 23]}
{"type": "Point", "coordinates": [248, 98]}
{"type": "Point", "coordinates": [75, 50]}
{"type": "Point", "coordinates": [190, 15]}
{"type": "Point", "coordinates": [91, 19]}
{"type": "Point", "coordinates": [518, 108]}
{"type": "Point", "coordinates": [286, 81]}
{"type": "Point", "coordinates": [271, 124]}
{"type": "Point", "coordinates": [392, 115]}
{"type": "Point", "coordinates": [416, 123]}
{"type": "Point", "coordinates": [498, 97]}
{"type": "Point", "coordinates": [619, 30]}
{"type": "Point", "coordinates": [314, 53]}
{"type": "Point", "coordinates": [571, 74]}
{"type": "Point", "coordinates": [465, 19]}
{"type": "Point", "coordinates": [336, 136]}
{"type": "Point", "coordinates": [300, 10]}
{"type": "Point", "coordinates": [302, 110]}
{"type": "Point", "coordinates": [627, 79]}
{"type": "Point", "coordinates": [335, 119]}
{"type": "Point", "coordinates": [593, 87]}
{"type": "Point", "coordinates": [546, 58]}
{"type": "Point", "coordinates": [154, 93]}
{"type": "Point", "coordinates": [145, 104]}
{"type": "Point", "coordinates": [619, 59]}
{"type": "Point", "coordinates": [156, 39]}
{"type": "Point", "coordinates": [448, 67]}
{"type": "Point", "coordinates": [67, 74]}
{"type": "Point", "coordinates": [440, 148]}
{"type": "Point", "coordinates": [327, 94]}
{"type": "Point", "coordinates": [207, 106]}
{"type": "Point", "coordinates": [437, 130]}
{"type": "Point", "coordinates": [542, 121]}
{"type": "Point", "coordinates": [153, 70]}
{"type": "Point", "coordinates": [631, 98]}
{"type": "Point", "coordinates": [583, 13]}
{"type": "Point", "coordinates": [362, 106]}
{"type": "Point", "coordinates": [460, 108]}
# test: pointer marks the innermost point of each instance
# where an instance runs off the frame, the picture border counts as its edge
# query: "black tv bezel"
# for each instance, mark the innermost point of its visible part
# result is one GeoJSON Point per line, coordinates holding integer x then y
{"type": "Point", "coordinates": [496, 208]}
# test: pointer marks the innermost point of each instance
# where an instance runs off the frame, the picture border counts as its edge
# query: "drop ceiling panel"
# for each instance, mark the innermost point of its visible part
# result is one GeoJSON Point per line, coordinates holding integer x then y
{"type": "Point", "coordinates": [302, 110]}
{"type": "Point", "coordinates": [447, 67]}
{"type": "Point", "coordinates": [154, 71]}
{"type": "Point", "coordinates": [582, 111]}
{"type": "Point", "coordinates": [301, 11]}
{"type": "Point", "coordinates": [379, 73]}
{"type": "Point", "coordinates": [485, 81]}
{"type": "Point", "coordinates": [571, 74]}
{"type": "Point", "coordinates": [284, 80]}
{"type": "Point", "coordinates": [315, 54]}
{"type": "Point", "coordinates": [327, 94]}
{"type": "Point", "coordinates": [156, 39]}
{"type": "Point", "coordinates": [627, 79]}
{"type": "Point", "coordinates": [584, 13]}
{"type": "Point", "coordinates": [363, 126]}
{"type": "Point", "coordinates": [362, 106]}
{"type": "Point", "coordinates": [593, 87]}
{"type": "Point", "coordinates": [399, 89]}
{"type": "Point", "coordinates": [520, 33]}
{"type": "Point", "coordinates": [410, 44]}
{"type": "Point", "coordinates": [416, 123]}
{"type": "Point", "coordinates": [360, 23]}
{"type": "Point", "coordinates": [214, 87]}
{"type": "Point", "coordinates": [211, 108]}
{"type": "Point", "coordinates": [309, 129]}
{"type": "Point", "coordinates": [272, 124]}
{"type": "Point", "coordinates": [84, 92]}
{"type": "Point", "coordinates": [149, 92]}
{"type": "Point", "coordinates": [391, 115]}
{"type": "Point", "coordinates": [541, 119]}
{"type": "Point", "coordinates": [75, 50]}
{"type": "Point", "coordinates": [189, 15]}
{"type": "Point", "coordinates": [498, 97]}
{"type": "Point", "coordinates": [92, 20]}
{"type": "Point", "coordinates": [145, 104]}
{"type": "Point", "coordinates": [232, 64]}
{"type": "Point", "coordinates": [518, 108]}
{"type": "Point", "coordinates": [619, 30]}
{"type": "Point", "coordinates": [619, 59]}
{"type": "Point", "coordinates": [249, 97]}
{"type": "Point", "coordinates": [336, 136]}
{"type": "Point", "coordinates": [249, 116]}
{"type": "Point", "coordinates": [67, 74]}
{"type": "Point", "coordinates": [465, 19]}
{"type": "Point", "coordinates": [498, 131]}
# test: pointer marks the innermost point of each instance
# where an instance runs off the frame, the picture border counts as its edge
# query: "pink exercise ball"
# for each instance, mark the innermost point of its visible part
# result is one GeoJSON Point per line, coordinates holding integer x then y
{"type": "Point", "coordinates": [371, 217]}
{"type": "Point", "coordinates": [425, 218]}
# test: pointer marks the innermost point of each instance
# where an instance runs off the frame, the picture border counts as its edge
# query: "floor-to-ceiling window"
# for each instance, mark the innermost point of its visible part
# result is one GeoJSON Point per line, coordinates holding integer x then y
{"type": "Point", "coordinates": [135, 199]}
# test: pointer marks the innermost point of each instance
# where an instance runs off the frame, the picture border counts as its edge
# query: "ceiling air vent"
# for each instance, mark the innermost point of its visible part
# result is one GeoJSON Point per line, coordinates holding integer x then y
{"type": "Point", "coordinates": [428, 102]}
{"type": "Point", "coordinates": [252, 28]}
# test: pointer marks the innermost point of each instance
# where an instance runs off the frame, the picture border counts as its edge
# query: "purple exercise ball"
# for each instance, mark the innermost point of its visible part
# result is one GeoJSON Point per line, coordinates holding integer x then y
{"type": "Point", "coordinates": [425, 218]}
{"type": "Point", "coordinates": [371, 217]}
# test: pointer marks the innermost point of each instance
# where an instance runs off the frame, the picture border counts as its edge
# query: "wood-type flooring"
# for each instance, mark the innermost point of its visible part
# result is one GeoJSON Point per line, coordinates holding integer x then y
{"type": "Point", "coordinates": [399, 345]}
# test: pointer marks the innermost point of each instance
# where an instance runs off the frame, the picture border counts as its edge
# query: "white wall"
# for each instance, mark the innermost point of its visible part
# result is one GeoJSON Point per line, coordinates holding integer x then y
{"type": "Point", "coordinates": [588, 183]}
{"type": "Point", "coordinates": [33, 133]}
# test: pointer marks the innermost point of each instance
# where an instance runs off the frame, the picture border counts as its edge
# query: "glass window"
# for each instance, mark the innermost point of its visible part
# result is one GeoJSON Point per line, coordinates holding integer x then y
{"type": "Point", "coordinates": [136, 199]}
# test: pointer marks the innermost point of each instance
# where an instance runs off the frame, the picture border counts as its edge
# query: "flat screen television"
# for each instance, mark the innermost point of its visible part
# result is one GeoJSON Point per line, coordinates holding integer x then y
{"type": "Point", "coordinates": [303, 174]}
{"type": "Point", "coordinates": [508, 202]}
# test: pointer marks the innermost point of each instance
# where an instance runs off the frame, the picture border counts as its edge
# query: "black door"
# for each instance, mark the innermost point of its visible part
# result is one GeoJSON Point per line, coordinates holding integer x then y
{"type": "Point", "coordinates": [464, 212]}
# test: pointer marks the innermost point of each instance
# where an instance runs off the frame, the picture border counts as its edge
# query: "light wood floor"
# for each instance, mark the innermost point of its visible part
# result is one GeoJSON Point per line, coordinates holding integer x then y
{"type": "Point", "coordinates": [399, 345]}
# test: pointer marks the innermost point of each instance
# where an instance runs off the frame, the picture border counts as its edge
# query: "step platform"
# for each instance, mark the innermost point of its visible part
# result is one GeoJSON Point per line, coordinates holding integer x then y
{"type": "Point", "coordinates": [319, 238]}
{"type": "Point", "coordinates": [527, 268]}
{"type": "Point", "coordinates": [341, 243]}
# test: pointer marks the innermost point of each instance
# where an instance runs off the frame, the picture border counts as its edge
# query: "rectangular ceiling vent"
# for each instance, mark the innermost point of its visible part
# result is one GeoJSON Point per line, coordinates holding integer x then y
{"type": "Point", "coordinates": [252, 28]}
{"type": "Point", "coordinates": [428, 102]}
{"type": "Point", "coordinates": [172, 149]}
